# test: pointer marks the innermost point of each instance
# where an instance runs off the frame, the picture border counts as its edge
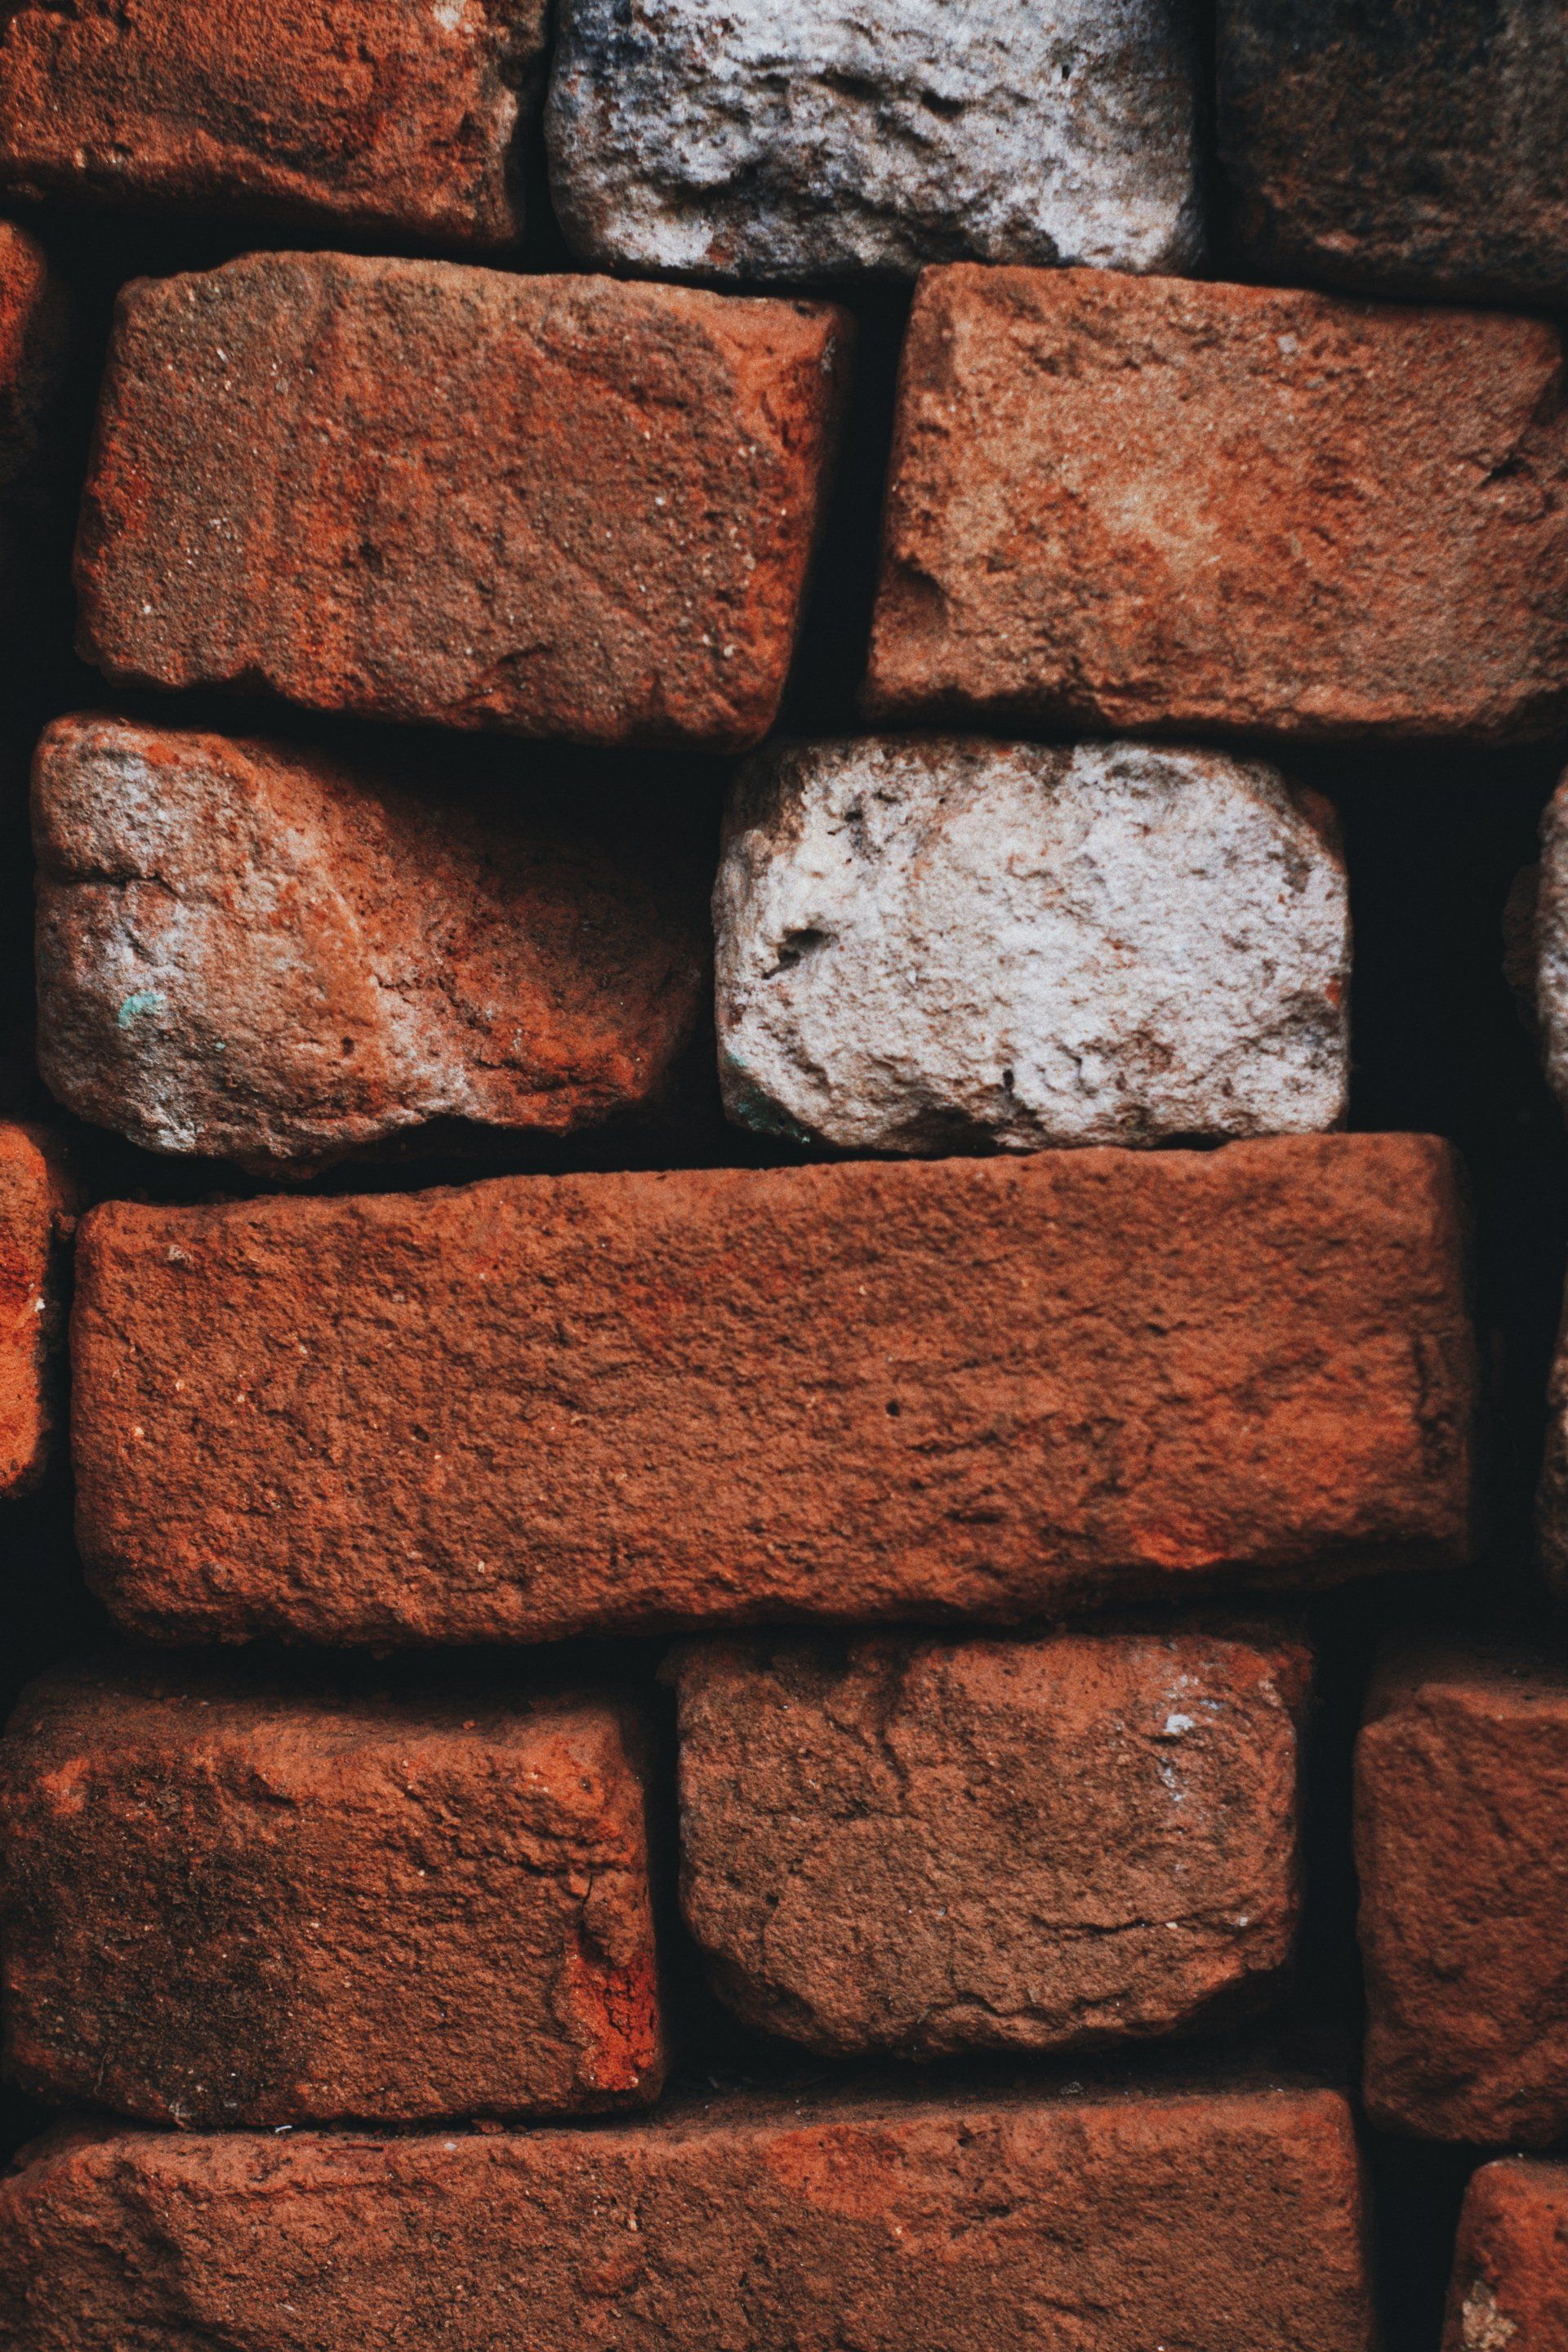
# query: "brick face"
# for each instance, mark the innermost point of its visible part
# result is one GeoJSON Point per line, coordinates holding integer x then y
{"type": "Point", "coordinates": [549, 1405]}
{"type": "Point", "coordinates": [1510, 2288]}
{"type": "Point", "coordinates": [1132, 505]}
{"type": "Point", "coordinates": [957, 2223]}
{"type": "Point", "coordinates": [225, 1904]}
{"type": "Point", "coordinates": [411, 491]}
{"type": "Point", "coordinates": [38, 1201]}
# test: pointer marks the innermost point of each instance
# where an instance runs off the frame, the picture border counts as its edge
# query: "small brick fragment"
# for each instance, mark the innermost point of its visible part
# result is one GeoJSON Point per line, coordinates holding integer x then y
{"type": "Point", "coordinates": [379, 116]}
{"type": "Point", "coordinates": [1147, 505]}
{"type": "Point", "coordinates": [1229, 2218]}
{"type": "Point", "coordinates": [413, 490]}
{"type": "Point", "coordinates": [1462, 1848]}
{"type": "Point", "coordinates": [36, 330]}
{"type": "Point", "coordinates": [1411, 147]}
{"type": "Point", "coordinates": [929, 943]}
{"type": "Point", "coordinates": [230, 1903]}
{"type": "Point", "coordinates": [900, 1843]}
{"type": "Point", "coordinates": [37, 1201]}
{"type": "Point", "coordinates": [1509, 2288]}
{"type": "Point", "coordinates": [255, 950]}
{"type": "Point", "coordinates": [546, 1405]}
{"type": "Point", "coordinates": [832, 137]}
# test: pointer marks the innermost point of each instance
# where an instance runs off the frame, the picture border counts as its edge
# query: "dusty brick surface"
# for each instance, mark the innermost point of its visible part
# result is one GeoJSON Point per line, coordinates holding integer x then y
{"type": "Point", "coordinates": [230, 1903]}
{"type": "Point", "coordinates": [1137, 504]}
{"type": "Point", "coordinates": [379, 116]}
{"type": "Point", "coordinates": [1408, 146]}
{"type": "Point", "coordinates": [253, 949]}
{"type": "Point", "coordinates": [909, 1844]}
{"type": "Point", "coordinates": [38, 1201]}
{"type": "Point", "coordinates": [1509, 2288]}
{"type": "Point", "coordinates": [36, 347]}
{"type": "Point", "coordinates": [547, 1404]}
{"type": "Point", "coordinates": [1462, 1849]}
{"type": "Point", "coordinates": [552, 506]}
{"type": "Point", "coordinates": [1228, 2220]}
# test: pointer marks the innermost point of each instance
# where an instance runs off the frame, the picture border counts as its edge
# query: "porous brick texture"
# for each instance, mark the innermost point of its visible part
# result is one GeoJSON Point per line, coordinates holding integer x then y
{"type": "Point", "coordinates": [413, 490]}
{"type": "Point", "coordinates": [551, 1404]}
{"type": "Point", "coordinates": [252, 950]}
{"type": "Point", "coordinates": [36, 348]}
{"type": "Point", "coordinates": [1118, 2222]}
{"type": "Point", "coordinates": [1134, 504]}
{"type": "Point", "coordinates": [229, 1904]}
{"type": "Point", "coordinates": [840, 136]}
{"type": "Point", "coordinates": [394, 117]}
{"type": "Point", "coordinates": [905, 1843]}
{"type": "Point", "coordinates": [928, 944]}
{"type": "Point", "coordinates": [1415, 145]}
{"type": "Point", "coordinates": [1509, 2289]}
{"type": "Point", "coordinates": [1462, 1849]}
{"type": "Point", "coordinates": [37, 1202]}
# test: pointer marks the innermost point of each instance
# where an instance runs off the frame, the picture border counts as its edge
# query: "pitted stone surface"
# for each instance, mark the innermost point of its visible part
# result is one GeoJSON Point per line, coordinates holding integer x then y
{"type": "Point", "coordinates": [836, 136]}
{"type": "Point", "coordinates": [1509, 2286]}
{"type": "Point", "coordinates": [254, 950]}
{"type": "Point", "coordinates": [926, 944]}
{"type": "Point", "coordinates": [377, 115]}
{"type": "Point", "coordinates": [906, 1844]}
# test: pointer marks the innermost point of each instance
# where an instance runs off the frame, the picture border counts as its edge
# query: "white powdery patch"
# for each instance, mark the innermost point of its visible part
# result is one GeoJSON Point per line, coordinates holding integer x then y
{"type": "Point", "coordinates": [928, 944]}
{"type": "Point", "coordinates": [739, 138]}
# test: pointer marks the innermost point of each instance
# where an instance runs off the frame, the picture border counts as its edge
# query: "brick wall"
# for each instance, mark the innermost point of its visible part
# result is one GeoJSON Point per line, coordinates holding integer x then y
{"type": "Point", "coordinates": [782, 1006]}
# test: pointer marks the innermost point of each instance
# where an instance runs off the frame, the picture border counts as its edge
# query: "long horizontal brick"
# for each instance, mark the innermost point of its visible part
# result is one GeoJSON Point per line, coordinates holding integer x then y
{"type": "Point", "coordinates": [1229, 2220]}
{"type": "Point", "coordinates": [919, 1845]}
{"type": "Point", "coordinates": [225, 1903]}
{"type": "Point", "coordinates": [1148, 504]}
{"type": "Point", "coordinates": [551, 505]}
{"type": "Point", "coordinates": [37, 1202]}
{"type": "Point", "coordinates": [256, 950]}
{"type": "Point", "coordinates": [373, 115]}
{"type": "Point", "coordinates": [548, 1404]}
{"type": "Point", "coordinates": [1509, 2288]}
{"type": "Point", "coordinates": [1462, 1852]}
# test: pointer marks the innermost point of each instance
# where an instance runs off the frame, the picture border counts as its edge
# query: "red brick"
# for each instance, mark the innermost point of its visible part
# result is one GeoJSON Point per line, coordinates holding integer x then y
{"type": "Point", "coordinates": [35, 352]}
{"type": "Point", "coordinates": [548, 1405]}
{"type": "Point", "coordinates": [554, 506]}
{"type": "Point", "coordinates": [1224, 2220]}
{"type": "Point", "coordinates": [251, 950]}
{"type": "Point", "coordinates": [390, 116]}
{"type": "Point", "coordinates": [226, 1903]}
{"type": "Point", "coordinates": [919, 1846]}
{"type": "Point", "coordinates": [1462, 1844]}
{"type": "Point", "coordinates": [36, 1204]}
{"type": "Point", "coordinates": [1146, 504]}
{"type": "Point", "coordinates": [1509, 2289]}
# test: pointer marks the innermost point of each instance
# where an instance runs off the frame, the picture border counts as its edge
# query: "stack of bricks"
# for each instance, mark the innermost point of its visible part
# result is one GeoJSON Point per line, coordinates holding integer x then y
{"type": "Point", "coordinates": [767, 1341]}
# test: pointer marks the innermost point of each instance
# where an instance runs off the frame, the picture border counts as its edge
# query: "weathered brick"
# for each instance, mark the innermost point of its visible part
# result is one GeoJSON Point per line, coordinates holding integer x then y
{"type": "Point", "coordinates": [36, 1204]}
{"type": "Point", "coordinates": [1229, 2219]}
{"type": "Point", "coordinates": [553, 506]}
{"type": "Point", "coordinates": [548, 1404]}
{"type": "Point", "coordinates": [1142, 504]}
{"type": "Point", "coordinates": [36, 322]}
{"type": "Point", "coordinates": [1462, 1846]}
{"type": "Point", "coordinates": [1412, 146]}
{"type": "Point", "coordinates": [389, 116]}
{"type": "Point", "coordinates": [231, 1902]}
{"type": "Point", "coordinates": [253, 949]}
{"type": "Point", "coordinates": [919, 1846]}
{"type": "Point", "coordinates": [1510, 2288]}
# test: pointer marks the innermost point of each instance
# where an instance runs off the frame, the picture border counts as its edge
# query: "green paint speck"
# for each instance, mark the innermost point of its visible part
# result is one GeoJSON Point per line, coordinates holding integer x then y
{"type": "Point", "coordinates": [145, 1000]}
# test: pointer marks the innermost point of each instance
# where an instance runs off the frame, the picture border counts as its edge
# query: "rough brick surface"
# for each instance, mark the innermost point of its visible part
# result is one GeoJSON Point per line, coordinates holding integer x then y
{"type": "Point", "coordinates": [231, 1905]}
{"type": "Point", "coordinates": [926, 944]}
{"type": "Point", "coordinates": [1146, 504]}
{"type": "Point", "coordinates": [255, 950]}
{"type": "Point", "coordinates": [1462, 1846]}
{"type": "Point", "coordinates": [1410, 145]}
{"type": "Point", "coordinates": [1228, 2221]}
{"type": "Point", "coordinates": [554, 506]}
{"type": "Point", "coordinates": [1509, 2289]}
{"type": "Point", "coordinates": [1537, 941]}
{"type": "Point", "coordinates": [844, 135]}
{"type": "Point", "coordinates": [389, 116]}
{"type": "Point", "coordinates": [917, 1845]}
{"type": "Point", "coordinates": [546, 1404]}
{"type": "Point", "coordinates": [34, 351]}
{"type": "Point", "coordinates": [36, 1204]}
